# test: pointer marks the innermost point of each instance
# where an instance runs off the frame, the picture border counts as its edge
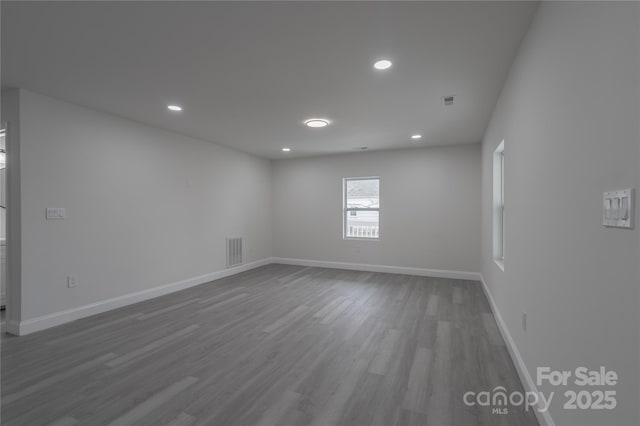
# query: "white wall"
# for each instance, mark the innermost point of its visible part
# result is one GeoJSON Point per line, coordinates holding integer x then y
{"type": "Point", "coordinates": [637, 224]}
{"type": "Point", "coordinates": [145, 207]}
{"type": "Point", "coordinates": [569, 116]}
{"type": "Point", "coordinates": [430, 208]}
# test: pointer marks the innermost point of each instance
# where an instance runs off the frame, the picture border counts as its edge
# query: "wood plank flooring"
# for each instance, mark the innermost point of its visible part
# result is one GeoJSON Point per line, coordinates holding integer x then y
{"type": "Point", "coordinates": [278, 345]}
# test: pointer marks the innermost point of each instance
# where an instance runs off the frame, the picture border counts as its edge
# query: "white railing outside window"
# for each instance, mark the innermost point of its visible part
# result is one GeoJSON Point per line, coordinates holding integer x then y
{"type": "Point", "coordinates": [363, 231]}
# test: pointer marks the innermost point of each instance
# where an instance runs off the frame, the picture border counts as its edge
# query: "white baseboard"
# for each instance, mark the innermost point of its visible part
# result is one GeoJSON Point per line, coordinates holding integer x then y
{"type": "Point", "coordinates": [527, 381]}
{"type": "Point", "coordinates": [47, 321]}
{"type": "Point", "coordinates": [436, 273]}
{"type": "Point", "coordinates": [58, 318]}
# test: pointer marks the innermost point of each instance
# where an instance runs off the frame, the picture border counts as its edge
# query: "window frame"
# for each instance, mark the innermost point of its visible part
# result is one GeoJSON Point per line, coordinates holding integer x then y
{"type": "Point", "coordinates": [346, 210]}
{"type": "Point", "coordinates": [499, 228]}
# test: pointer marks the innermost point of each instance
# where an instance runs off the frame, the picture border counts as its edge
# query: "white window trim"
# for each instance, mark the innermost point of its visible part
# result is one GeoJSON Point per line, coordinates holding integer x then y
{"type": "Point", "coordinates": [345, 210]}
{"type": "Point", "coordinates": [499, 229]}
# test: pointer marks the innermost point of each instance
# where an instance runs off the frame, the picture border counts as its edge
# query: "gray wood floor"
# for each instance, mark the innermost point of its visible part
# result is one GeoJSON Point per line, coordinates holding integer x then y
{"type": "Point", "coordinates": [278, 345]}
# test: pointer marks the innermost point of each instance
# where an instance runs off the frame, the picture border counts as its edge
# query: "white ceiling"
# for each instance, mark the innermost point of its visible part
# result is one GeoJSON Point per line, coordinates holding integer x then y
{"type": "Point", "coordinates": [249, 73]}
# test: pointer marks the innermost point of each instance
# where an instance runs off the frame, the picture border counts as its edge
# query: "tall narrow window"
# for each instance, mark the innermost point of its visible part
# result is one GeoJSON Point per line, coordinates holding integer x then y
{"type": "Point", "coordinates": [361, 212]}
{"type": "Point", "coordinates": [498, 206]}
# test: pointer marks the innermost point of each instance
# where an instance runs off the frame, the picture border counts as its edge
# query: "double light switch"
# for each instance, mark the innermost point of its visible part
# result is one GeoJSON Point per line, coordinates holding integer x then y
{"type": "Point", "coordinates": [55, 213]}
{"type": "Point", "coordinates": [618, 208]}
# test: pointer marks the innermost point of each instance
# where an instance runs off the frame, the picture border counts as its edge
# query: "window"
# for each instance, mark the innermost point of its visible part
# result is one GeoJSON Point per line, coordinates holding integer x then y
{"type": "Point", "coordinates": [361, 212]}
{"type": "Point", "coordinates": [498, 206]}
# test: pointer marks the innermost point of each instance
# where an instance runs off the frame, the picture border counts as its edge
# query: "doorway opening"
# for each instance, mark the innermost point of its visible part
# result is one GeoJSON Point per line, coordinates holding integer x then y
{"type": "Point", "coordinates": [3, 219]}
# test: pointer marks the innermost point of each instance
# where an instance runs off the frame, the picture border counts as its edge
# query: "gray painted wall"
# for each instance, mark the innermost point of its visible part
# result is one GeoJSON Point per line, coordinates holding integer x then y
{"type": "Point", "coordinates": [429, 216]}
{"type": "Point", "coordinates": [145, 207]}
{"type": "Point", "coordinates": [569, 116]}
{"type": "Point", "coordinates": [638, 201]}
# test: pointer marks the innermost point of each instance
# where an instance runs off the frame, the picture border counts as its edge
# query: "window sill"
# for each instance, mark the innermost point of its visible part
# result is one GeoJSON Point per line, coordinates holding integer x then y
{"type": "Point", "coordinates": [500, 263]}
{"type": "Point", "coordinates": [360, 239]}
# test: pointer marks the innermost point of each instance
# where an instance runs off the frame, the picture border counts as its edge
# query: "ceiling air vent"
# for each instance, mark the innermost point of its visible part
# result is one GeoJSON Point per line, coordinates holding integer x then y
{"type": "Point", "coordinates": [448, 100]}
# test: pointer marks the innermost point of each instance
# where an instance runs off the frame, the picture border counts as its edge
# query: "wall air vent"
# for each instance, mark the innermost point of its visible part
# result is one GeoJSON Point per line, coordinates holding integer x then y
{"type": "Point", "coordinates": [448, 100]}
{"type": "Point", "coordinates": [234, 251]}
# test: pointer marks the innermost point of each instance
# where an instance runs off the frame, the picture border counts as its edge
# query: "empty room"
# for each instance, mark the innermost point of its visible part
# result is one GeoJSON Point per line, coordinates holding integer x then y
{"type": "Point", "coordinates": [288, 213]}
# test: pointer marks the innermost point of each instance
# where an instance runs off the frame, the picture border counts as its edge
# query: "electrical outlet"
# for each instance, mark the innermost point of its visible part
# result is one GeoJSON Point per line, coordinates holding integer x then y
{"type": "Point", "coordinates": [72, 281]}
{"type": "Point", "coordinates": [524, 321]}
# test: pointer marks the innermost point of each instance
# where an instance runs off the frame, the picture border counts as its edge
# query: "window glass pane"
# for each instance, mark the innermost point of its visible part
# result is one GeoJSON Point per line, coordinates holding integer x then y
{"type": "Point", "coordinates": [364, 224]}
{"type": "Point", "coordinates": [363, 193]}
{"type": "Point", "coordinates": [502, 178]}
{"type": "Point", "coordinates": [499, 204]}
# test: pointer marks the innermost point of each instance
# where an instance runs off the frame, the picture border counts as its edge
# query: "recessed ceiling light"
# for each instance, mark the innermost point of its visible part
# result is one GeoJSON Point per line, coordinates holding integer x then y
{"type": "Point", "coordinates": [382, 64]}
{"type": "Point", "coordinates": [416, 136]}
{"type": "Point", "coordinates": [175, 108]}
{"type": "Point", "coordinates": [316, 122]}
{"type": "Point", "coordinates": [286, 149]}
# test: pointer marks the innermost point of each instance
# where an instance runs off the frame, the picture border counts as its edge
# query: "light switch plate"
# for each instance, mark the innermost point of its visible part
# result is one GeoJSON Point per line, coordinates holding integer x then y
{"type": "Point", "coordinates": [72, 281]}
{"type": "Point", "coordinates": [55, 213]}
{"type": "Point", "coordinates": [618, 209]}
